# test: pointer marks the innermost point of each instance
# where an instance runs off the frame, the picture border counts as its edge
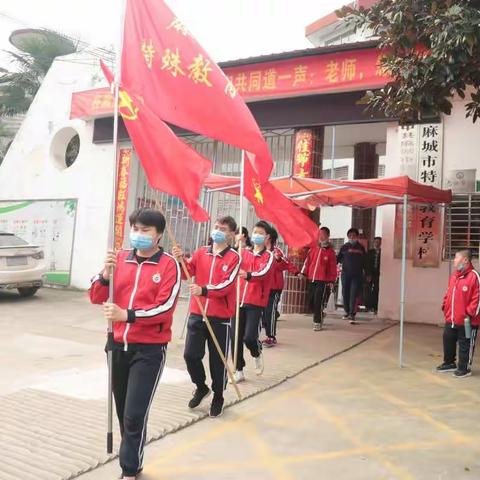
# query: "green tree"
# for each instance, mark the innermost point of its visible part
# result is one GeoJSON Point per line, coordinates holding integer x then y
{"type": "Point", "coordinates": [19, 86]}
{"type": "Point", "coordinates": [433, 53]}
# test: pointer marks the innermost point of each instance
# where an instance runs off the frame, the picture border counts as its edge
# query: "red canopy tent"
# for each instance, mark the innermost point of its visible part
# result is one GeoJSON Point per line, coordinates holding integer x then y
{"type": "Point", "coordinates": [315, 192]}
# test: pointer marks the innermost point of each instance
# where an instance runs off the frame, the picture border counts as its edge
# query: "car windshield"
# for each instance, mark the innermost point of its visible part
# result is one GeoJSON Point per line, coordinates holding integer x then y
{"type": "Point", "coordinates": [11, 241]}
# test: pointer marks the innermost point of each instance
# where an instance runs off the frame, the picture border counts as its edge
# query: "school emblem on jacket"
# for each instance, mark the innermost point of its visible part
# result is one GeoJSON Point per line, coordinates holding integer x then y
{"type": "Point", "coordinates": [464, 288]}
{"type": "Point", "coordinates": [156, 278]}
{"type": "Point", "coordinates": [225, 268]}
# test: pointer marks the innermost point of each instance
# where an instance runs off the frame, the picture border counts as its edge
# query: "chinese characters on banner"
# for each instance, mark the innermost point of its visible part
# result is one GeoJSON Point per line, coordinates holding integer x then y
{"type": "Point", "coordinates": [303, 159]}
{"type": "Point", "coordinates": [398, 236]}
{"type": "Point", "coordinates": [333, 72]}
{"type": "Point", "coordinates": [408, 137]}
{"type": "Point", "coordinates": [121, 196]}
{"type": "Point", "coordinates": [430, 154]}
{"type": "Point", "coordinates": [427, 236]}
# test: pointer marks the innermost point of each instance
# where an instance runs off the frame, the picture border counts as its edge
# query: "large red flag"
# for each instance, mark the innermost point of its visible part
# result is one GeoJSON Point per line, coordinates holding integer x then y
{"type": "Point", "coordinates": [164, 64]}
{"type": "Point", "coordinates": [296, 228]}
{"type": "Point", "coordinates": [170, 164]}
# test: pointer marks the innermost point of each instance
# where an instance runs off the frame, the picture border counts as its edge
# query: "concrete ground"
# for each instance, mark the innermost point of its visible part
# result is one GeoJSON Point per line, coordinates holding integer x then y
{"type": "Point", "coordinates": [53, 381]}
{"type": "Point", "coordinates": [355, 415]}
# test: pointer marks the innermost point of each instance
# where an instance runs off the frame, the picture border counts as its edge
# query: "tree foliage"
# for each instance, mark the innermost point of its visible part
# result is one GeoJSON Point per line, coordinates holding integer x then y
{"type": "Point", "coordinates": [432, 53]}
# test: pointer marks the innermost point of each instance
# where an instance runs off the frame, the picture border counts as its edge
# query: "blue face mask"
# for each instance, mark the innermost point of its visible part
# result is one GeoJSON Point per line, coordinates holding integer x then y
{"type": "Point", "coordinates": [140, 241]}
{"type": "Point", "coordinates": [351, 241]}
{"type": "Point", "coordinates": [461, 267]}
{"type": "Point", "coordinates": [258, 239]}
{"type": "Point", "coordinates": [218, 236]}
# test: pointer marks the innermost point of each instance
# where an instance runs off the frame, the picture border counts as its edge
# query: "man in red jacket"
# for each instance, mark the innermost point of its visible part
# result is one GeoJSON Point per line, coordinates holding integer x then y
{"type": "Point", "coordinates": [461, 307]}
{"type": "Point", "coordinates": [146, 286]}
{"type": "Point", "coordinates": [215, 269]}
{"type": "Point", "coordinates": [320, 268]}
{"type": "Point", "coordinates": [280, 265]}
{"type": "Point", "coordinates": [255, 279]}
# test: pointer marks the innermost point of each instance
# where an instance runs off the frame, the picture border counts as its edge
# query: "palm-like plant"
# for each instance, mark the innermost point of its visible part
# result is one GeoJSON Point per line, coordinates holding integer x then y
{"type": "Point", "coordinates": [19, 86]}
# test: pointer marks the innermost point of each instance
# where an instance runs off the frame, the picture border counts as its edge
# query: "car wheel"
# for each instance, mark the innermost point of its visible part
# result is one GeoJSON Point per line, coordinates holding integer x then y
{"type": "Point", "coordinates": [27, 291]}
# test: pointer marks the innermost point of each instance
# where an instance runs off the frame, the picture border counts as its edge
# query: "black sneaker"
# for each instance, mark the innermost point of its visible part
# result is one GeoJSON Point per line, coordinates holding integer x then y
{"type": "Point", "coordinates": [352, 320]}
{"type": "Point", "coordinates": [216, 408]}
{"type": "Point", "coordinates": [462, 373]}
{"type": "Point", "coordinates": [446, 367]}
{"type": "Point", "coordinates": [199, 395]}
{"type": "Point", "coordinates": [346, 317]}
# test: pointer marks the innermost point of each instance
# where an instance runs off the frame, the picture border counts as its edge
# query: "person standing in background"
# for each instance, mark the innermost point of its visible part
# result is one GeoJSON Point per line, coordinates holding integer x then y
{"type": "Point", "coordinates": [280, 265]}
{"type": "Point", "coordinates": [372, 271]}
{"type": "Point", "coordinates": [320, 268]}
{"type": "Point", "coordinates": [352, 259]}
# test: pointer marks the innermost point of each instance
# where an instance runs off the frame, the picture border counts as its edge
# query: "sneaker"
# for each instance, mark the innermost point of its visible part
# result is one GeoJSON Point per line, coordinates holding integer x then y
{"type": "Point", "coordinates": [462, 373]}
{"type": "Point", "coordinates": [269, 342]}
{"type": "Point", "coordinates": [199, 395]}
{"type": "Point", "coordinates": [238, 376]}
{"type": "Point", "coordinates": [352, 320]}
{"type": "Point", "coordinates": [346, 317]}
{"type": "Point", "coordinates": [216, 408]}
{"type": "Point", "coordinates": [259, 364]}
{"type": "Point", "coordinates": [317, 327]}
{"type": "Point", "coordinates": [446, 367]}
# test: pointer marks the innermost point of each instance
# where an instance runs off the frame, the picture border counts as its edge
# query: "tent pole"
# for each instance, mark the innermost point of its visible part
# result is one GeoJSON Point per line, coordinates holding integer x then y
{"type": "Point", "coordinates": [449, 240]}
{"type": "Point", "coordinates": [402, 279]}
{"type": "Point", "coordinates": [332, 175]}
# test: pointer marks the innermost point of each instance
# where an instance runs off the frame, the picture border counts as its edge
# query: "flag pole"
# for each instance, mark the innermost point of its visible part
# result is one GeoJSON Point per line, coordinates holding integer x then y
{"type": "Point", "coordinates": [240, 220]}
{"type": "Point", "coordinates": [110, 339]}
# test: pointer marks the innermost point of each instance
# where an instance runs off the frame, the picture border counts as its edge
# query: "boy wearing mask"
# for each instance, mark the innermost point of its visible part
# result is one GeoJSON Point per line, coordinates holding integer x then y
{"type": "Point", "coordinates": [352, 259]}
{"type": "Point", "coordinates": [215, 269]}
{"type": "Point", "coordinates": [255, 278]}
{"type": "Point", "coordinates": [461, 307]}
{"type": "Point", "coordinates": [146, 287]}
{"type": "Point", "coordinates": [320, 268]}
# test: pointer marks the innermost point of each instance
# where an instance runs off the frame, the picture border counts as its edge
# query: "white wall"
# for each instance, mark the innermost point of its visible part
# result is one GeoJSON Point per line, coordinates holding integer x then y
{"type": "Point", "coordinates": [28, 172]}
{"type": "Point", "coordinates": [425, 287]}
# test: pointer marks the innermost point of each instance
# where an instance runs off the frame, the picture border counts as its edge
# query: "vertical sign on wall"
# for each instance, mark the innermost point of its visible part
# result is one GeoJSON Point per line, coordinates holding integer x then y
{"type": "Point", "coordinates": [398, 229]}
{"type": "Point", "coordinates": [408, 137]}
{"type": "Point", "coordinates": [122, 195]}
{"type": "Point", "coordinates": [303, 157]}
{"type": "Point", "coordinates": [427, 236]}
{"type": "Point", "coordinates": [430, 154]}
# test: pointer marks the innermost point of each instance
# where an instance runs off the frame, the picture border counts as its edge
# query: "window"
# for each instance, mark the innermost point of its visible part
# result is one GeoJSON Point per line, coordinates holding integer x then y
{"type": "Point", "coordinates": [341, 173]}
{"type": "Point", "coordinates": [464, 231]}
{"type": "Point", "coordinates": [381, 171]}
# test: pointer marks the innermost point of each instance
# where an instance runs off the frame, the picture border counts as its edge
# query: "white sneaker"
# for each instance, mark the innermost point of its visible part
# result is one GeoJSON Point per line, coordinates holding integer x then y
{"type": "Point", "coordinates": [238, 376]}
{"type": "Point", "coordinates": [259, 364]}
{"type": "Point", "coordinates": [317, 327]}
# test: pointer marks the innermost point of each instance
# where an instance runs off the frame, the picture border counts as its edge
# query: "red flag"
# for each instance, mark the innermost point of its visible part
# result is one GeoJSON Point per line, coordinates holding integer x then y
{"type": "Point", "coordinates": [296, 228]}
{"type": "Point", "coordinates": [164, 64]}
{"type": "Point", "coordinates": [170, 164]}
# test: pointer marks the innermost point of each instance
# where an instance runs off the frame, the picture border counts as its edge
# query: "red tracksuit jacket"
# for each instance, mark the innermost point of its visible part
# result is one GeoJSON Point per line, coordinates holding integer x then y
{"type": "Point", "coordinates": [255, 290]}
{"type": "Point", "coordinates": [321, 264]}
{"type": "Point", "coordinates": [279, 266]}
{"type": "Point", "coordinates": [216, 274]}
{"type": "Point", "coordinates": [149, 291]}
{"type": "Point", "coordinates": [463, 298]}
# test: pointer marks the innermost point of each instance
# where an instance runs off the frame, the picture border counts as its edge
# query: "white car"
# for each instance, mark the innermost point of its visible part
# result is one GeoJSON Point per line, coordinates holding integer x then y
{"type": "Point", "coordinates": [21, 265]}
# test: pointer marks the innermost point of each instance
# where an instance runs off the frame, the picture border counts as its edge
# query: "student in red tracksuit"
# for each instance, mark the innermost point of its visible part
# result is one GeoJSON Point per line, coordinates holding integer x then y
{"type": "Point", "coordinates": [461, 307]}
{"type": "Point", "coordinates": [215, 269]}
{"type": "Point", "coordinates": [320, 268]}
{"type": "Point", "coordinates": [255, 279]}
{"type": "Point", "coordinates": [146, 286]}
{"type": "Point", "coordinates": [280, 265]}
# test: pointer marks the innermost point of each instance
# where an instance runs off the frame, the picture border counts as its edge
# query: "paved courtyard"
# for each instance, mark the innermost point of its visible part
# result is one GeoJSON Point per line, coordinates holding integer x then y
{"type": "Point", "coordinates": [355, 415]}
